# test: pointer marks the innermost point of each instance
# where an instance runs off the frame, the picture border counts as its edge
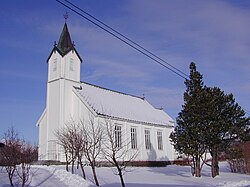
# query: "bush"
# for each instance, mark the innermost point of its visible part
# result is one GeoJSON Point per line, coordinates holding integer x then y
{"type": "Point", "coordinates": [239, 158]}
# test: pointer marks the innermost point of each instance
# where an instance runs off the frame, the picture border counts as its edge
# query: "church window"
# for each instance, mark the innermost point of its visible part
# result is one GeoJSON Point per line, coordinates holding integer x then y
{"type": "Point", "coordinates": [71, 64]}
{"type": "Point", "coordinates": [147, 139]}
{"type": "Point", "coordinates": [133, 138]}
{"type": "Point", "coordinates": [159, 140]}
{"type": "Point", "coordinates": [55, 65]}
{"type": "Point", "coordinates": [118, 136]}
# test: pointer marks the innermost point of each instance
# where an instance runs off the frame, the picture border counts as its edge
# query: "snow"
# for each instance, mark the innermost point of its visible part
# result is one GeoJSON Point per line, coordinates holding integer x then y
{"type": "Point", "coordinates": [235, 184]}
{"type": "Point", "coordinates": [122, 106]}
{"type": "Point", "coordinates": [68, 179]}
{"type": "Point", "coordinates": [170, 176]}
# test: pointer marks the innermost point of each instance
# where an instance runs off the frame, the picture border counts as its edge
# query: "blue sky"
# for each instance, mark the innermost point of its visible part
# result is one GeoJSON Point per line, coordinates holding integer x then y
{"type": "Point", "coordinates": [213, 34]}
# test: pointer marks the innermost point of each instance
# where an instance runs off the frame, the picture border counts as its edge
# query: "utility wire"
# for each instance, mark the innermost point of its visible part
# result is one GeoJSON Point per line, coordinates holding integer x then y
{"type": "Point", "coordinates": [122, 35]}
{"type": "Point", "coordinates": [179, 73]}
{"type": "Point", "coordinates": [122, 38]}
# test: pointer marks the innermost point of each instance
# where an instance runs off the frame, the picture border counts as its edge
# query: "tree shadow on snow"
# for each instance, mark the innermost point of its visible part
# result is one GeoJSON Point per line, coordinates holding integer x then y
{"type": "Point", "coordinates": [171, 171]}
{"type": "Point", "coordinates": [168, 170]}
{"type": "Point", "coordinates": [37, 172]}
{"type": "Point", "coordinates": [45, 179]}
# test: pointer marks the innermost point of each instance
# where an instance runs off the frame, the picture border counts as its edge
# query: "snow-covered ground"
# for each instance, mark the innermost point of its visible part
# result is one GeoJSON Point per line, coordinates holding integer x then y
{"type": "Point", "coordinates": [174, 176]}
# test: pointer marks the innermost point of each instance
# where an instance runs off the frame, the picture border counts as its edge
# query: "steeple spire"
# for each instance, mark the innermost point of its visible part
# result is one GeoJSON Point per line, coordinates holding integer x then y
{"type": "Point", "coordinates": [65, 44]}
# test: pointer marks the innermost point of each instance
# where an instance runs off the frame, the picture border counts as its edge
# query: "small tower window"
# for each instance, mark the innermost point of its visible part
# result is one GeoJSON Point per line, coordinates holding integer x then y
{"type": "Point", "coordinates": [71, 65]}
{"type": "Point", "coordinates": [55, 65]}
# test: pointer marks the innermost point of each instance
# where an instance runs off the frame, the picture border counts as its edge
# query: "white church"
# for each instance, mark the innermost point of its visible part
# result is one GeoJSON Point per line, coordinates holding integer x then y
{"type": "Point", "coordinates": [146, 127]}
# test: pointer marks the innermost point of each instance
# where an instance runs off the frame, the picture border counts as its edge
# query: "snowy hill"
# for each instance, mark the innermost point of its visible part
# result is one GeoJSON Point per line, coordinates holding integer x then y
{"type": "Point", "coordinates": [170, 176]}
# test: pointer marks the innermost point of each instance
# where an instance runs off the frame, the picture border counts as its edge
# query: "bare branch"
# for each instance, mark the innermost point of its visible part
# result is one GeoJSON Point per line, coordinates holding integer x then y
{"type": "Point", "coordinates": [116, 149]}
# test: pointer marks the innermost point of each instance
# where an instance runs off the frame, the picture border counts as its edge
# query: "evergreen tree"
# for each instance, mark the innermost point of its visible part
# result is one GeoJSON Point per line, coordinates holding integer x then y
{"type": "Point", "coordinates": [187, 137]}
{"type": "Point", "coordinates": [209, 120]}
{"type": "Point", "coordinates": [225, 121]}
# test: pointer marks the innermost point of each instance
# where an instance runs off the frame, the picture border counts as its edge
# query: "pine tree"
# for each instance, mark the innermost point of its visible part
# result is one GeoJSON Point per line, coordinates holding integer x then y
{"type": "Point", "coordinates": [187, 137]}
{"type": "Point", "coordinates": [225, 121]}
{"type": "Point", "coordinates": [209, 120]}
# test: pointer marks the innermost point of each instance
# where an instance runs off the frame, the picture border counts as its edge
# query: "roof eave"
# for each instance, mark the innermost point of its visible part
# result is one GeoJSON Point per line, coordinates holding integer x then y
{"type": "Point", "coordinates": [55, 48]}
{"type": "Point", "coordinates": [41, 117]}
{"type": "Point", "coordinates": [83, 101]}
{"type": "Point", "coordinates": [133, 121]}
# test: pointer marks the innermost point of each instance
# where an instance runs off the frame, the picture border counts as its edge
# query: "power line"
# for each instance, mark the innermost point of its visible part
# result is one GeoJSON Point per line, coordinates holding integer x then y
{"type": "Point", "coordinates": [122, 35]}
{"type": "Point", "coordinates": [128, 41]}
{"type": "Point", "coordinates": [123, 38]}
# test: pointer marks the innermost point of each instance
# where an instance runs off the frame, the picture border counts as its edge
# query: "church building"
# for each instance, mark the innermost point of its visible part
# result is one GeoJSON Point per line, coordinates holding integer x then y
{"type": "Point", "coordinates": [146, 127]}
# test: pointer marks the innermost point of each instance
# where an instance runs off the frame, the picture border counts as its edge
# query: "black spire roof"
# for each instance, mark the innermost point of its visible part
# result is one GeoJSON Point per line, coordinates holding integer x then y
{"type": "Point", "coordinates": [65, 44]}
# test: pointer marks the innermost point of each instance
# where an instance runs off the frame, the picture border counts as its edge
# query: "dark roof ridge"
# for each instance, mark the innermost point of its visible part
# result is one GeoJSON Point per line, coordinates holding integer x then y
{"type": "Point", "coordinates": [55, 48]}
{"type": "Point", "coordinates": [113, 90]}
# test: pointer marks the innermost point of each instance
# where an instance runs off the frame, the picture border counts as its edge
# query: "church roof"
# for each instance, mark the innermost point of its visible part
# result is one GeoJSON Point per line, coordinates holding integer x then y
{"type": "Point", "coordinates": [65, 44]}
{"type": "Point", "coordinates": [121, 106]}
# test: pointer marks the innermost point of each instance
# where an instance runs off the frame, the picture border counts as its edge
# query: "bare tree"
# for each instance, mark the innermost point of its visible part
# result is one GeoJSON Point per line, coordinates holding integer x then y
{"type": "Point", "coordinates": [116, 149]}
{"type": "Point", "coordinates": [28, 154]}
{"type": "Point", "coordinates": [93, 136]}
{"type": "Point", "coordinates": [63, 140]}
{"type": "Point", "coordinates": [79, 143]}
{"type": "Point", "coordinates": [71, 139]}
{"type": "Point", "coordinates": [10, 152]}
{"type": "Point", "coordinates": [72, 136]}
{"type": "Point", "coordinates": [16, 151]}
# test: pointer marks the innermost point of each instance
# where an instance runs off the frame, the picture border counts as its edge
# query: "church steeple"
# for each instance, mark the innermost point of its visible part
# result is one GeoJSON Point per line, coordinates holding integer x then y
{"type": "Point", "coordinates": [64, 70]}
{"type": "Point", "coordinates": [64, 61]}
{"type": "Point", "coordinates": [65, 44]}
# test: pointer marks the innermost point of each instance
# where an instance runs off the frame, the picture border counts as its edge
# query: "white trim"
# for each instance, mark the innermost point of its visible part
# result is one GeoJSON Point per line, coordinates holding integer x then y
{"type": "Point", "coordinates": [84, 102]}
{"type": "Point", "coordinates": [41, 117]}
{"type": "Point", "coordinates": [134, 121]}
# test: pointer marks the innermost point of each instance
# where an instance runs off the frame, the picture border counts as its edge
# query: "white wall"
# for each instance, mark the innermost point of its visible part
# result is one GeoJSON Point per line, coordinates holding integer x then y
{"type": "Point", "coordinates": [63, 74]}
{"type": "Point", "coordinates": [42, 148]}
